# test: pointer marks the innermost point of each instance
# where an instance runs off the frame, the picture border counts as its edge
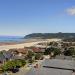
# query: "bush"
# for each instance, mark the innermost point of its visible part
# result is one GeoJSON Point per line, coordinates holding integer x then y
{"type": "Point", "coordinates": [8, 66]}
{"type": "Point", "coordinates": [15, 70]}
{"type": "Point", "coordinates": [38, 56]}
{"type": "Point", "coordinates": [56, 51]}
{"type": "Point", "coordinates": [31, 60]}
{"type": "Point", "coordinates": [69, 52]}
{"type": "Point", "coordinates": [30, 54]}
{"type": "Point", "coordinates": [47, 51]}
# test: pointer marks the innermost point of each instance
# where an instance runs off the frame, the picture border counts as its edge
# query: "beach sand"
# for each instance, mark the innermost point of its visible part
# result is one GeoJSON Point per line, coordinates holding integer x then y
{"type": "Point", "coordinates": [27, 44]}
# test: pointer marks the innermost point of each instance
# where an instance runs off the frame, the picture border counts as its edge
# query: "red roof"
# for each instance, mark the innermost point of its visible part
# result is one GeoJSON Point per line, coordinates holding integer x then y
{"type": "Point", "coordinates": [37, 49]}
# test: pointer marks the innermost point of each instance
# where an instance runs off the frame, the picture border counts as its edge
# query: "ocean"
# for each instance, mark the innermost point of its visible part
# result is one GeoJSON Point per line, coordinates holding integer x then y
{"type": "Point", "coordinates": [11, 39]}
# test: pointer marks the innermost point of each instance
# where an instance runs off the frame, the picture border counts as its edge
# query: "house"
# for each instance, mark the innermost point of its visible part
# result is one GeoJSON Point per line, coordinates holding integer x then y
{"type": "Point", "coordinates": [63, 57]}
{"type": "Point", "coordinates": [22, 51]}
{"type": "Point", "coordinates": [38, 50]}
{"type": "Point", "coordinates": [13, 54]}
{"type": "Point", "coordinates": [4, 56]}
{"type": "Point", "coordinates": [19, 52]}
{"type": "Point", "coordinates": [7, 55]}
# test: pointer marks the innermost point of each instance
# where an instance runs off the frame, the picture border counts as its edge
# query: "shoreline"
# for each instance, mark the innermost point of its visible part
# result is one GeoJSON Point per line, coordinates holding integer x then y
{"type": "Point", "coordinates": [25, 44]}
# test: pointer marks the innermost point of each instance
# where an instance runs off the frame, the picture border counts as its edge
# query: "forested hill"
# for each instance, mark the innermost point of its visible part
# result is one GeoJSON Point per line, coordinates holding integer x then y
{"type": "Point", "coordinates": [50, 35]}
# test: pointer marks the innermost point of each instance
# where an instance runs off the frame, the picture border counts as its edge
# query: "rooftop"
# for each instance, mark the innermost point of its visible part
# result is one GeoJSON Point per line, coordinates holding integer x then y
{"type": "Point", "coordinates": [69, 64]}
{"type": "Point", "coordinates": [49, 71]}
{"type": "Point", "coordinates": [53, 71]}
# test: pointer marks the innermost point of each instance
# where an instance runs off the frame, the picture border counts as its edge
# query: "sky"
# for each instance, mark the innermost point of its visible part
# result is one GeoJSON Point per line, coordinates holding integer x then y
{"type": "Point", "coordinates": [22, 17]}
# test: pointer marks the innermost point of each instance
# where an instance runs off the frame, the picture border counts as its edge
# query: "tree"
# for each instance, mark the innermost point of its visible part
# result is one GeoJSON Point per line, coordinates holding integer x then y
{"type": "Point", "coordinates": [8, 65]}
{"type": "Point", "coordinates": [47, 51]}
{"type": "Point", "coordinates": [38, 56]}
{"type": "Point", "coordinates": [69, 52]}
{"type": "Point", "coordinates": [56, 51]}
{"type": "Point", "coordinates": [30, 56]}
{"type": "Point", "coordinates": [51, 43]}
{"type": "Point", "coordinates": [20, 63]}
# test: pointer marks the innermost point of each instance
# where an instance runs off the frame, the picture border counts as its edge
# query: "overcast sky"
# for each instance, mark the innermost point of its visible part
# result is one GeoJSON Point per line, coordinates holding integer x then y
{"type": "Point", "coordinates": [21, 17]}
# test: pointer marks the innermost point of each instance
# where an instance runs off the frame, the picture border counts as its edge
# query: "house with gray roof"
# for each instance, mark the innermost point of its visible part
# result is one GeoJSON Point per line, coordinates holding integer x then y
{"type": "Point", "coordinates": [4, 56]}
{"type": "Point", "coordinates": [63, 57]}
{"type": "Point", "coordinates": [54, 67]}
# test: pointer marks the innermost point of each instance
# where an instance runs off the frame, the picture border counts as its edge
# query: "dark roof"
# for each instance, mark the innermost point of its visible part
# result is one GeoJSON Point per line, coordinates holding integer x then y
{"type": "Point", "coordinates": [7, 55]}
{"type": "Point", "coordinates": [51, 71]}
{"type": "Point", "coordinates": [59, 63]}
{"type": "Point", "coordinates": [37, 49]}
{"type": "Point", "coordinates": [2, 58]}
{"type": "Point", "coordinates": [63, 57]}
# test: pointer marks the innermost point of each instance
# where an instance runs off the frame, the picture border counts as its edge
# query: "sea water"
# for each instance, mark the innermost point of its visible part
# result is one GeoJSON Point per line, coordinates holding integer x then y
{"type": "Point", "coordinates": [11, 38]}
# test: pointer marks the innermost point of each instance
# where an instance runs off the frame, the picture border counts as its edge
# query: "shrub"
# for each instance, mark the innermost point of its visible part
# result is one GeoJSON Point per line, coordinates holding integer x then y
{"type": "Point", "coordinates": [69, 52]}
{"type": "Point", "coordinates": [56, 51]}
{"type": "Point", "coordinates": [8, 66]}
{"type": "Point", "coordinates": [38, 56]}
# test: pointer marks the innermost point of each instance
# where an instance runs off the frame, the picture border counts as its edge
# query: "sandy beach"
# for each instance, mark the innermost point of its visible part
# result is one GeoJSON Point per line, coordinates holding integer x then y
{"type": "Point", "coordinates": [22, 45]}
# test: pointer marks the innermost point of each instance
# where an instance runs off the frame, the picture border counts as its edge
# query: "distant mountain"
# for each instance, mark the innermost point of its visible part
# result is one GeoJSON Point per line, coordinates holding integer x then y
{"type": "Point", "coordinates": [50, 35]}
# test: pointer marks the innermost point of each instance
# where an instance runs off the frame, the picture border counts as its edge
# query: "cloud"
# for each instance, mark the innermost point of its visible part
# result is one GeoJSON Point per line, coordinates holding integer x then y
{"type": "Point", "coordinates": [71, 11]}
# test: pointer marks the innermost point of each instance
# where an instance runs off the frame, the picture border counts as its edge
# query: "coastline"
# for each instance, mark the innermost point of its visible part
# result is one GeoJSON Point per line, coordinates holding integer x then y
{"type": "Point", "coordinates": [24, 44]}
